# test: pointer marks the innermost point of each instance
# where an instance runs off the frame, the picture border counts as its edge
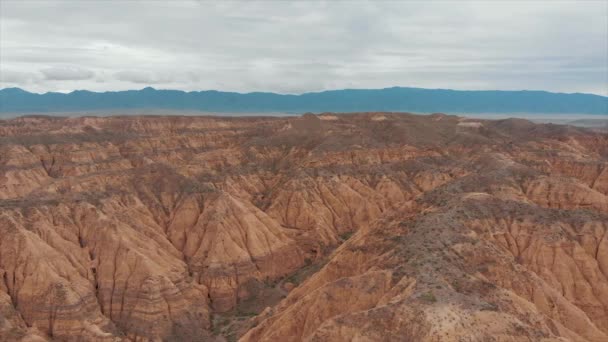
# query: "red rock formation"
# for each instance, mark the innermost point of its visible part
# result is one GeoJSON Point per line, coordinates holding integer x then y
{"type": "Point", "coordinates": [155, 228]}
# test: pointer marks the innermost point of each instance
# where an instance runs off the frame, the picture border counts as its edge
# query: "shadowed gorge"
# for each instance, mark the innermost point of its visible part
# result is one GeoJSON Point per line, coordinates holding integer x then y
{"type": "Point", "coordinates": [329, 227]}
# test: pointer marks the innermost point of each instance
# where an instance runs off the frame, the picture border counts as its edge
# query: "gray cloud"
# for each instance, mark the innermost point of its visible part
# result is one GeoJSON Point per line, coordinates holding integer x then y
{"type": "Point", "coordinates": [18, 77]}
{"type": "Point", "coordinates": [67, 74]}
{"type": "Point", "coordinates": [143, 77]}
{"type": "Point", "coordinates": [294, 47]}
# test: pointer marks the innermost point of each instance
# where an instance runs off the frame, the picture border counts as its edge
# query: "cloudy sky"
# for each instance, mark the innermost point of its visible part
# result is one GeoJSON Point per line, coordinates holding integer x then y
{"type": "Point", "coordinates": [294, 47]}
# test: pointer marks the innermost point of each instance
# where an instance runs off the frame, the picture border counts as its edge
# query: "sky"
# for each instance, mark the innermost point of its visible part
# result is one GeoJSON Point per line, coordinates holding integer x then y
{"type": "Point", "coordinates": [303, 46]}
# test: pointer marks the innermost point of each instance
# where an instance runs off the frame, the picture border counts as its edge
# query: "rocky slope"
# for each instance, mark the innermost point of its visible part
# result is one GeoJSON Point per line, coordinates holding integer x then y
{"type": "Point", "coordinates": [374, 226]}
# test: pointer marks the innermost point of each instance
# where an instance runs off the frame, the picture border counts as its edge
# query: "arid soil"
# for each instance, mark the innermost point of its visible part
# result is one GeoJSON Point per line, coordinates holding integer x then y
{"type": "Point", "coordinates": [331, 227]}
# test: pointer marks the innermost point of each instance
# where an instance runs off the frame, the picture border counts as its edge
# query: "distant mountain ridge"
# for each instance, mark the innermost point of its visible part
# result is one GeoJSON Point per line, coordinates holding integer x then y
{"type": "Point", "coordinates": [16, 100]}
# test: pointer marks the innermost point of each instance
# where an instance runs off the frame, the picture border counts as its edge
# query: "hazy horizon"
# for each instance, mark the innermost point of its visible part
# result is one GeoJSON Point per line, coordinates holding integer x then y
{"type": "Point", "coordinates": [299, 93]}
{"type": "Point", "coordinates": [299, 47]}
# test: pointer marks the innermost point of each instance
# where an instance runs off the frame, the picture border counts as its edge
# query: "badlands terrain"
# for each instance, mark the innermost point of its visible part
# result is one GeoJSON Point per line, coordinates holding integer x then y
{"type": "Point", "coordinates": [353, 227]}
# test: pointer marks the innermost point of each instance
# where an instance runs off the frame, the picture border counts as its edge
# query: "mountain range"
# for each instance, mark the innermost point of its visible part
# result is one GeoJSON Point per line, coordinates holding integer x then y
{"type": "Point", "coordinates": [16, 100]}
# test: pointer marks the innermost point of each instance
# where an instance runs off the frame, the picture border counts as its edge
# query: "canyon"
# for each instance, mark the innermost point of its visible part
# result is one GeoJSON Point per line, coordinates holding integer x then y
{"type": "Point", "coordinates": [319, 227]}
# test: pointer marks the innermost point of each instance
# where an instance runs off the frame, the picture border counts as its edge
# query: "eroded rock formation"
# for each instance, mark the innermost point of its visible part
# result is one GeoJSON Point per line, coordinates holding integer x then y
{"type": "Point", "coordinates": [374, 226]}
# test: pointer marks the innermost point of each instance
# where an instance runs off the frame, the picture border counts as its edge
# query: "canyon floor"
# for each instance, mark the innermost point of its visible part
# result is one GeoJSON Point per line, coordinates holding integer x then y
{"type": "Point", "coordinates": [330, 227]}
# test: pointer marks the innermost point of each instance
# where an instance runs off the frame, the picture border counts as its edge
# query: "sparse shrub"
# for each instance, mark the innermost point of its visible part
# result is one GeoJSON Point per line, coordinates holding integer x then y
{"type": "Point", "coordinates": [346, 236]}
{"type": "Point", "coordinates": [489, 307]}
{"type": "Point", "coordinates": [246, 313]}
{"type": "Point", "coordinates": [396, 238]}
{"type": "Point", "coordinates": [429, 297]}
{"type": "Point", "coordinates": [457, 285]}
